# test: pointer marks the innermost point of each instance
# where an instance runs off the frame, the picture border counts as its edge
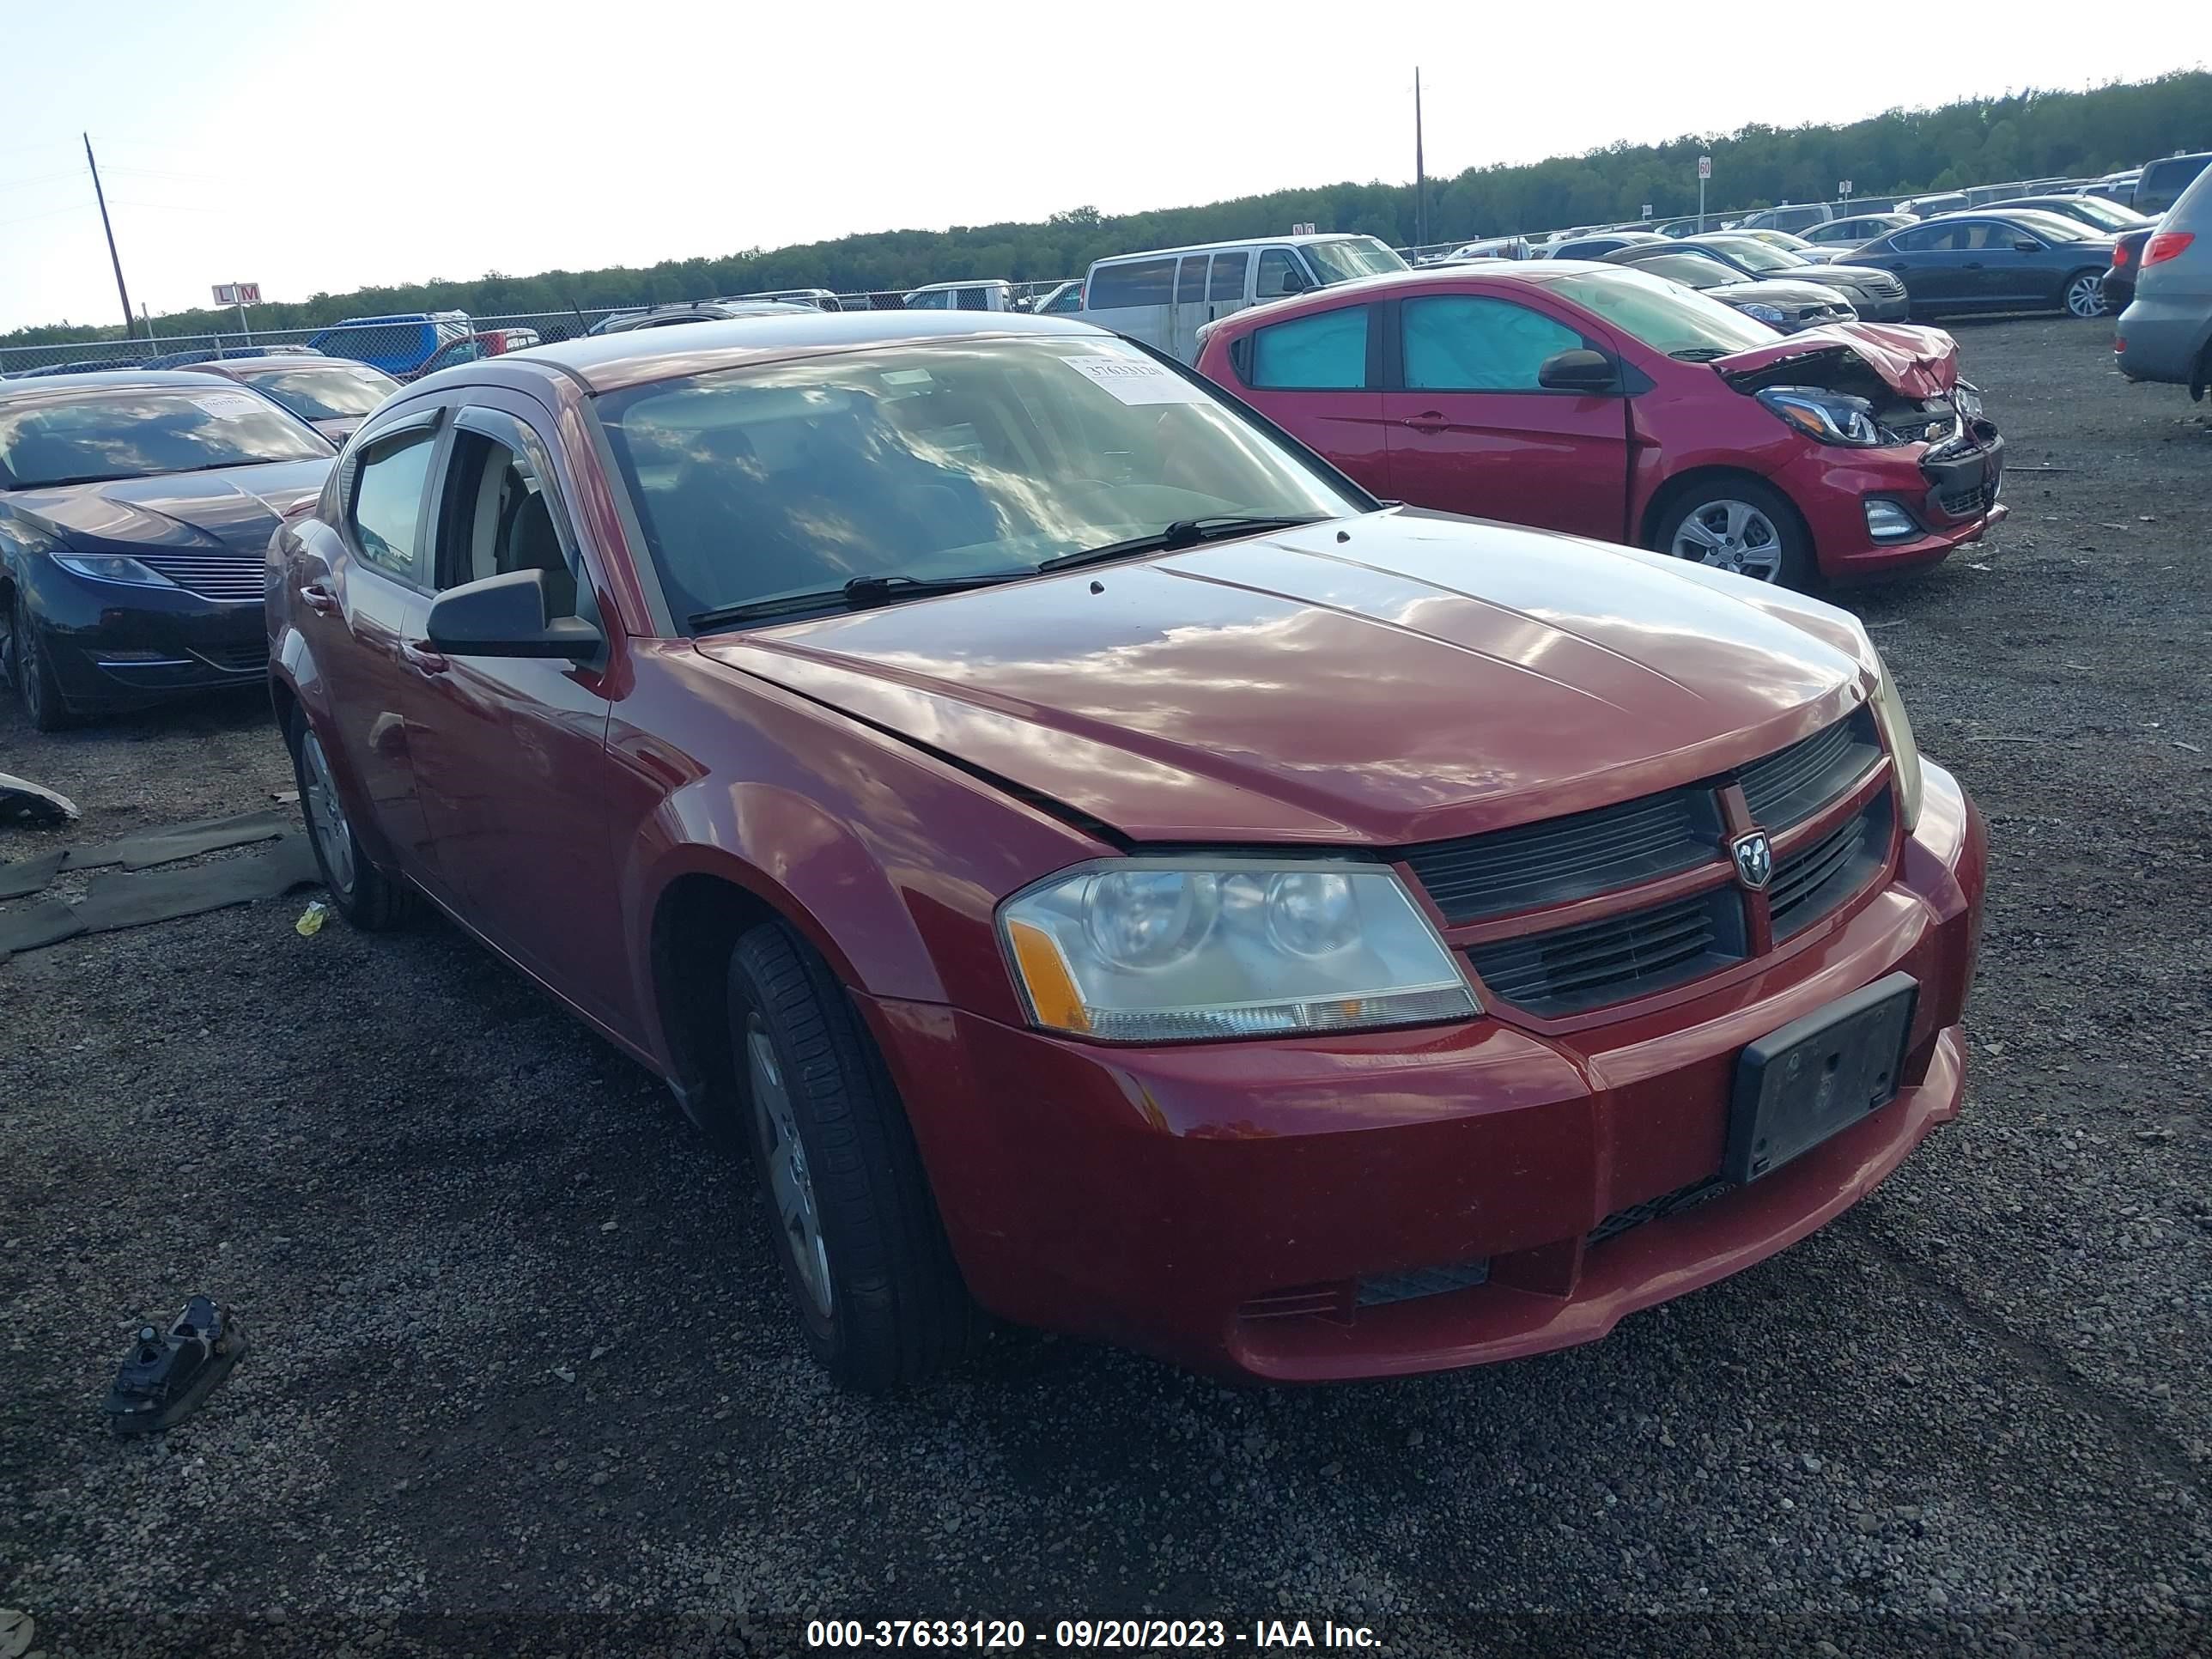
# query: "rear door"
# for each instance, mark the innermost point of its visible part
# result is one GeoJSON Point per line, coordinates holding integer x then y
{"type": "Point", "coordinates": [1318, 377]}
{"type": "Point", "coordinates": [1471, 431]}
{"type": "Point", "coordinates": [514, 768]}
{"type": "Point", "coordinates": [1931, 262]}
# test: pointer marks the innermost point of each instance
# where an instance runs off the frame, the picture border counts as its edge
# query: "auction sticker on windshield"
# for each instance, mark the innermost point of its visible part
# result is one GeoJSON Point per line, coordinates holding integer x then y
{"type": "Point", "coordinates": [231, 406]}
{"type": "Point", "coordinates": [1137, 379]}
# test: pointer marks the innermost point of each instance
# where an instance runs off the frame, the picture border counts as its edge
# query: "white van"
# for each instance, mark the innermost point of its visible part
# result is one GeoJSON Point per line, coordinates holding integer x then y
{"type": "Point", "coordinates": [1163, 297]}
{"type": "Point", "coordinates": [994, 295]}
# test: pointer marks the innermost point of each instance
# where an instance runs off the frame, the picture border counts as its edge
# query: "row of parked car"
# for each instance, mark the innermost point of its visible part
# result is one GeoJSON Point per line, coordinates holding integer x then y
{"type": "Point", "coordinates": [1065, 825]}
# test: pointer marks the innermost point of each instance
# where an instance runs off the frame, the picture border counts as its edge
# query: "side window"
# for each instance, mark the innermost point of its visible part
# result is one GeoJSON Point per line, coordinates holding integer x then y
{"type": "Point", "coordinates": [1926, 238]}
{"type": "Point", "coordinates": [971, 299]}
{"type": "Point", "coordinates": [1071, 300]}
{"type": "Point", "coordinates": [1132, 282]}
{"type": "Point", "coordinates": [498, 516]}
{"type": "Point", "coordinates": [1190, 280]}
{"type": "Point", "coordinates": [1226, 286]}
{"type": "Point", "coordinates": [1276, 275]}
{"type": "Point", "coordinates": [1324, 352]}
{"type": "Point", "coordinates": [1469, 343]}
{"type": "Point", "coordinates": [387, 503]}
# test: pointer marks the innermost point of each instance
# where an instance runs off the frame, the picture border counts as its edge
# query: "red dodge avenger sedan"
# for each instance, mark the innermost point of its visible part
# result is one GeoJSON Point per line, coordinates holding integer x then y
{"type": "Point", "coordinates": [1608, 401]}
{"type": "Point", "coordinates": [1114, 873]}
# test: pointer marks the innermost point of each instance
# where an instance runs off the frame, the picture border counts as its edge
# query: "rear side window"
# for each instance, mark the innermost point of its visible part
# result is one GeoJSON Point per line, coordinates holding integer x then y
{"type": "Point", "coordinates": [1132, 283]}
{"type": "Point", "coordinates": [1226, 286]}
{"type": "Point", "coordinates": [973, 299]}
{"type": "Point", "coordinates": [2163, 182]}
{"type": "Point", "coordinates": [1325, 352]}
{"type": "Point", "coordinates": [1470, 342]}
{"type": "Point", "coordinates": [1925, 239]}
{"type": "Point", "coordinates": [388, 502]}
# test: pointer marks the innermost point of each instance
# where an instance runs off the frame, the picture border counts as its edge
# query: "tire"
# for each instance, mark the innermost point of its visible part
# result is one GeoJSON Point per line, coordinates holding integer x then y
{"type": "Point", "coordinates": [2083, 294]}
{"type": "Point", "coordinates": [361, 893]}
{"type": "Point", "coordinates": [1770, 541]}
{"type": "Point", "coordinates": [880, 1300]}
{"type": "Point", "coordinates": [31, 672]}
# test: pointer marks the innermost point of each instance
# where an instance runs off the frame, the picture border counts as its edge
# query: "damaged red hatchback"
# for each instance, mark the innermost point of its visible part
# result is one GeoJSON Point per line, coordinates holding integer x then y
{"type": "Point", "coordinates": [1113, 871]}
{"type": "Point", "coordinates": [1612, 404]}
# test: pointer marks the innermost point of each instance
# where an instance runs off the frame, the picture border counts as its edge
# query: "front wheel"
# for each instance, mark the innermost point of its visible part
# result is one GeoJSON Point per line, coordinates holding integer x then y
{"type": "Point", "coordinates": [1742, 525]}
{"type": "Point", "coordinates": [362, 894]}
{"type": "Point", "coordinates": [880, 1299]}
{"type": "Point", "coordinates": [2085, 294]}
{"type": "Point", "coordinates": [31, 671]}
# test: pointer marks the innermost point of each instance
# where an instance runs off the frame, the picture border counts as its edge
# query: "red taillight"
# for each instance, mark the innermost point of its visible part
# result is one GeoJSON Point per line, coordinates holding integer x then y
{"type": "Point", "coordinates": [2121, 256]}
{"type": "Point", "coordinates": [2166, 245]}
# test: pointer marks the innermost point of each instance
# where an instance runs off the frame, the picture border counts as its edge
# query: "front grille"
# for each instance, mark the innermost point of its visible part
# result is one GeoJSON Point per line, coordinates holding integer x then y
{"type": "Point", "coordinates": [1814, 880]}
{"type": "Point", "coordinates": [1419, 1282]}
{"type": "Point", "coordinates": [249, 659]}
{"type": "Point", "coordinates": [1789, 786]}
{"type": "Point", "coordinates": [225, 578]}
{"type": "Point", "coordinates": [1569, 970]}
{"type": "Point", "coordinates": [1565, 859]}
{"type": "Point", "coordinates": [1656, 1209]}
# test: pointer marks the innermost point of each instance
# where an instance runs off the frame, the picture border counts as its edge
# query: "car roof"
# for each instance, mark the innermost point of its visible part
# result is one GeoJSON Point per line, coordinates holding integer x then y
{"type": "Point", "coordinates": [119, 379]}
{"type": "Point", "coordinates": [1241, 241]}
{"type": "Point", "coordinates": [607, 362]}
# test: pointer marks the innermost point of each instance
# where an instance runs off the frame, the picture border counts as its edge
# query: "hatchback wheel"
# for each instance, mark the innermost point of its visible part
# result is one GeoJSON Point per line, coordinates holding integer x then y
{"type": "Point", "coordinates": [1741, 525]}
{"type": "Point", "coordinates": [31, 672]}
{"type": "Point", "coordinates": [2085, 294]}
{"type": "Point", "coordinates": [878, 1296]}
{"type": "Point", "coordinates": [364, 894]}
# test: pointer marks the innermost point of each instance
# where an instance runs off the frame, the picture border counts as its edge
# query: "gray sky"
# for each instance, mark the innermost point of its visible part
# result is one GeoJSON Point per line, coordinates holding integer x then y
{"type": "Point", "coordinates": [314, 148]}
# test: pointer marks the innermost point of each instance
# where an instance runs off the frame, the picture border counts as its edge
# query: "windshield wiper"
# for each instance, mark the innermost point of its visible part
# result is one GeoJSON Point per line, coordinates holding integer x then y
{"type": "Point", "coordinates": [1184, 532]}
{"type": "Point", "coordinates": [861, 593]}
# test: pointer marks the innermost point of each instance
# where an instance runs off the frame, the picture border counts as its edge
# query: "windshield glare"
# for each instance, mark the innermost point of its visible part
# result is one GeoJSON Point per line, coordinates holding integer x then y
{"type": "Point", "coordinates": [934, 461]}
{"type": "Point", "coordinates": [2052, 227]}
{"type": "Point", "coordinates": [1663, 316]}
{"type": "Point", "coordinates": [1755, 255]}
{"type": "Point", "coordinates": [1353, 257]}
{"type": "Point", "coordinates": [144, 431]}
{"type": "Point", "coordinates": [326, 393]}
{"type": "Point", "coordinates": [1688, 270]}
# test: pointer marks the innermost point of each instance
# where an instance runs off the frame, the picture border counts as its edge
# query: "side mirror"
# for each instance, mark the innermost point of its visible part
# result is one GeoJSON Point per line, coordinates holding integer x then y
{"type": "Point", "coordinates": [1584, 371]}
{"type": "Point", "coordinates": [2025, 245]}
{"type": "Point", "coordinates": [1294, 282]}
{"type": "Point", "coordinates": [505, 617]}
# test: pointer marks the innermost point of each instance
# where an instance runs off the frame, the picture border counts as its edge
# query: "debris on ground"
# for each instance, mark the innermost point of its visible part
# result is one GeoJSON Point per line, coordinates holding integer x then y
{"type": "Point", "coordinates": [165, 1379]}
{"type": "Point", "coordinates": [22, 801]}
{"type": "Point", "coordinates": [311, 920]}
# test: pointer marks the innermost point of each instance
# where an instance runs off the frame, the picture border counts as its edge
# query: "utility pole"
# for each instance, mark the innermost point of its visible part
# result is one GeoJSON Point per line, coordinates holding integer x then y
{"type": "Point", "coordinates": [1420, 173]}
{"type": "Point", "coordinates": [113, 258]}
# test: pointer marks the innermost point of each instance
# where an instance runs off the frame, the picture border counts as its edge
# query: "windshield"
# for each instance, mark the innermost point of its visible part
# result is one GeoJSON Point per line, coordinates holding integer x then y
{"type": "Point", "coordinates": [934, 462]}
{"type": "Point", "coordinates": [1662, 316]}
{"type": "Point", "coordinates": [1688, 270]}
{"type": "Point", "coordinates": [140, 432]}
{"type": "Point", "coordinates": [2053, 229]}
{"type": "Point", "coordinates": [1354, 256]}
{"type": "Point", "coordinates": [324, 393]}
{"type": "Point", "coordinates": [1754, 255]}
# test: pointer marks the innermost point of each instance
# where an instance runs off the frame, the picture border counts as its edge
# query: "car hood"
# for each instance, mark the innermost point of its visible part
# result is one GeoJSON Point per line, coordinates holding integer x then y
{"type": "Point", "coordinates": [235, 507]}
{"type": "Point", "coordinates": [1375, 681]}
{"type": "Point", "coordinates": [1855, 276]}
{"type": "Point", "coordinates": [1774, 293]}
{"type": "Point", "coordinates": [1913, 362]}
{"type": "Point", "coordinates": [338, 428]}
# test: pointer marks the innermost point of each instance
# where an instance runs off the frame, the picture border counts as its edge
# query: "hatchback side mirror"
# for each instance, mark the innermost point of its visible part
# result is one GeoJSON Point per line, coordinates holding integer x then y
{"type": "Point", "coordinates": [1584, 371]}
{"type": "Point", "coordinates": [505, 617]}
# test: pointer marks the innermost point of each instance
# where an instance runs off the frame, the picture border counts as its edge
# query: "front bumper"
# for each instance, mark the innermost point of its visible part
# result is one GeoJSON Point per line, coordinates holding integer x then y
{"type": "Point", "coordinates": [116, 645]}
{"type": "Point", "coordinates": [1879, 308]}
{"type": "Point", "coordinates": [1231, 1206]}
{"type": "Point", "coordinates": [1952, 499]}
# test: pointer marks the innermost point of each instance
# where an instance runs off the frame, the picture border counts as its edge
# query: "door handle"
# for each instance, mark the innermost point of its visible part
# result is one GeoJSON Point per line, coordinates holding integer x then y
{"type": "Point", "coordinates": [1428, 420]}
{"type": "Point", "coordinates": [1972, 264]}
{"type": "Point", "coordinates": [318, 598]}
{"type": "Point", "coordinates": [422, 657]}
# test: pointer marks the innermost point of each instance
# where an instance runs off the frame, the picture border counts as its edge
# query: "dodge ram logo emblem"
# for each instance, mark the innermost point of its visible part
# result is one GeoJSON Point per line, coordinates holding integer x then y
{"type": "Point", "coordinates": [1754, 859]}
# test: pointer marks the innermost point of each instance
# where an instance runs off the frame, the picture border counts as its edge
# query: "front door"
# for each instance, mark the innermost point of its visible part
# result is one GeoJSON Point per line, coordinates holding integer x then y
{"type": "Point", "coordinates": [359, 614]}
{"type": "Point", "coordinates": [512, 768]}
{"type": "Point", "coordinates": [1471, 431]}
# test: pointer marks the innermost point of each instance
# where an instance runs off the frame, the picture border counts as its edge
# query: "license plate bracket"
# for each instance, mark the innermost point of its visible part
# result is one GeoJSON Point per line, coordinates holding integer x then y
{"type": "Point", "coordinates": [1817, 1076]}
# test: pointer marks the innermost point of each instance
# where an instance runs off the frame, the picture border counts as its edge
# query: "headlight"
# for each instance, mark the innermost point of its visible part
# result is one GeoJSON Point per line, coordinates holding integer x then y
{"type": "Point", "coordinates": [1764, 313]}
{"type": "Point", "coordinates": [1827, 417]}
{"type": "Point", "coordinates": [1164, 949]}
{"type": "Point", "coordinates": [112, 568]}
{"type": "Point", "coordinates": [1969, 400]}
{"type": "Point", "coordinates": [1904, 752]}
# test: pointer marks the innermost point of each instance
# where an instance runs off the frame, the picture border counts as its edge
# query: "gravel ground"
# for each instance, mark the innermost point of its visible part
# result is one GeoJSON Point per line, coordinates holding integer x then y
{"type": "Point", "coordinates": [521, 1357]}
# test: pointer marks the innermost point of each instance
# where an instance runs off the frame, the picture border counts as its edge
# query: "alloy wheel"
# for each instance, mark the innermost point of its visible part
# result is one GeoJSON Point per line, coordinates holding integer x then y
{"type": "Point", "coordinates": [1731, 535]}
{"type": "Point", "coordinates": [23, 662]}
{"type": "Point", "coordinates": [326, 815]}
{"type": "Point", "coordinates": [791, 1185]}
{"type": "Point", "coordinates": [2084, 296]}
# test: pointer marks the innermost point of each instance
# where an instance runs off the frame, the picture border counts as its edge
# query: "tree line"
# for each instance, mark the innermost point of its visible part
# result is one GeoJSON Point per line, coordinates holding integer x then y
{"type": "Point", "coordinates": [2022, 135]}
